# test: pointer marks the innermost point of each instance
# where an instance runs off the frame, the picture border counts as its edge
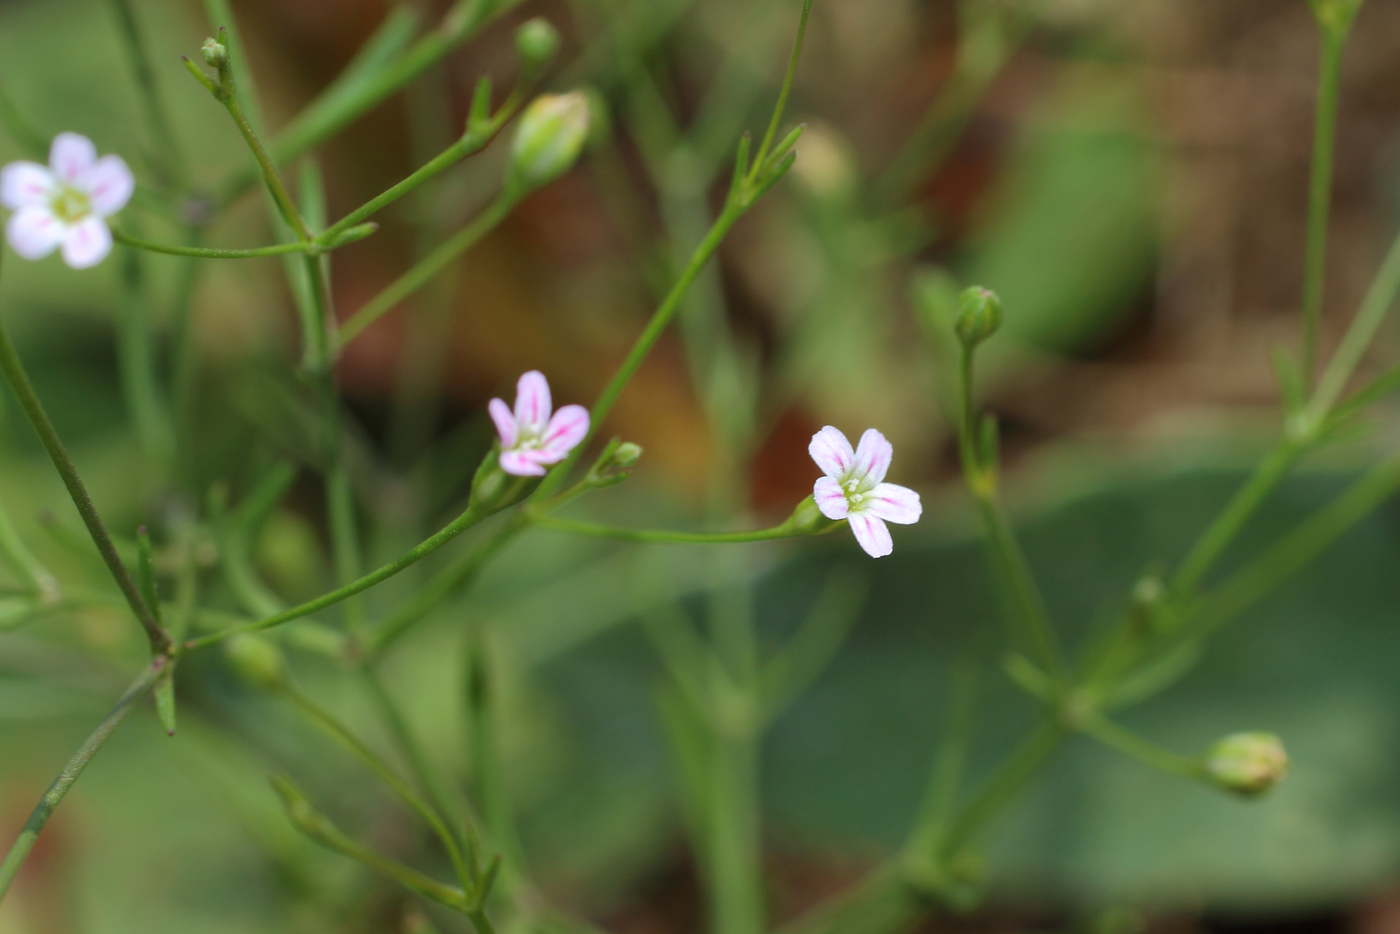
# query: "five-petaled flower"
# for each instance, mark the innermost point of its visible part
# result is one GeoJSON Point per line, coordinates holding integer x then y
{"type": "Point", "coordinates": [854, 488]}
{"type": "Point", "coordinates": [66, 204]}
{"type": "Point", "coordinates": [530, 438]}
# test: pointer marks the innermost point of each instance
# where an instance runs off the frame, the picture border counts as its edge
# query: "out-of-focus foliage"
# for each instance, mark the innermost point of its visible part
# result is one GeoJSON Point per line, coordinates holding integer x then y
{"type": "Point", "coordinates": [1062, 214]}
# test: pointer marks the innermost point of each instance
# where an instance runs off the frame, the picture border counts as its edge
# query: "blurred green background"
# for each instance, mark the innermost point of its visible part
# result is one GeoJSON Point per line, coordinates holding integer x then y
{"type": "Point", "coordinates": [1128, 174]}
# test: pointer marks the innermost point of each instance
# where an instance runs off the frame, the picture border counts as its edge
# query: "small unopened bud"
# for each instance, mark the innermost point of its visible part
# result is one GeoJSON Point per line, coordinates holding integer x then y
{"type": "Point", "coordinates": [537, 41]}
{"type": "Point", "coordinates": [1248, 763]}
{"type": "Point", "coordinates": [615, 464]}
{"type": "Point", "coordinates": [215, 53]}
{"type": "Point", "coordinates": [552, 132]}
{"type": "Point", "coordinates": [493, 489]}
{"type": "Point", "coordinates": [979, 316]}
{"type": "Point", "coordinates": [627, 455]}
{"type": "Point", "coordinates": [807, 519]}
{"type": "Point", "coordinates": [299, 810]}
{"type": "Point", "coordinates": [257, 660]}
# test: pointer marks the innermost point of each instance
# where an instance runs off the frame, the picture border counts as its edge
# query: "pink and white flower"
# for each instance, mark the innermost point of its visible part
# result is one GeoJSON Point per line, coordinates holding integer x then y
{"type": "Point", "coordinates": [854, 488]}
{"type": "Point", "coordinates": [530, 437]}
{"type": "Point", "coordinates": [66, 204]}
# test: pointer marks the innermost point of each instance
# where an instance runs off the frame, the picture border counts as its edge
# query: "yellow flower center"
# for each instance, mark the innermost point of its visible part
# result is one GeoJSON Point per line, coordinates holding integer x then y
{"type": "Point", "coordinates": [70, 205]}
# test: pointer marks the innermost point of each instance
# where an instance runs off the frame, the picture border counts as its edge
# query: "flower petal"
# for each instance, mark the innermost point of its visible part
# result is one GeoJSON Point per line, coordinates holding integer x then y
{"type": "Point", "coordinates": [71, 155]}
{"type": "Point", "coordinates": [872, 533]}
{"type": "Point", "coordinates": [832, 452]}
{"type": "Point", "coordinates": [87, 243]}
{"type": "Point", "coordinates": [25, 185]}
{"type": "Point", "coordinates": [109, 184]}
{"type": "Point", "coordinates": [532, 403]}
{"type": "Point", "coordinates": [894, 503]}
{"type": "Point", "coordinates": [873, 457]}
{"type": "Point", "coordinates": [830, 498]}
{"type": "Point", "coordinates": [566, 429]}
{"type": "Point", "coordinates": [505, 422]}
{"type": "Point", "coordinates": [34, 232]}
{"type": "Point", "coordinates": [521, 464]}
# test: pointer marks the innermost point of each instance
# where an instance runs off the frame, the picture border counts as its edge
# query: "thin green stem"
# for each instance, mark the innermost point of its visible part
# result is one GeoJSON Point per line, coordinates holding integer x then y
{"type": "Point", "coordinates": [1294, 551]}
{"type": "Point", "coordinates": [318, 828]}
{"type": "Point", "coordinates": [29, 400]}
{"type": "Point", "coordinates": [981, 479]}
{"type": "Point", "coordinates": [37, 578]}
{"type": "Point", "coordinates": [1374, 307]}
{"type": "Point", "coordinates": [664, 535]}
{"type": "Point", "coordinates": [1004, 785]}
{"type": "Point", "coordinates": [1148, 753]}
{"type": "Point", "coordinates": [444, 584]}
{"type": "Point", "coordinates": [735, 846]}
{"type": "Point", "coordinates": [1320, 194]}
{"type": "Point", "coordinates": [488, 771]}
{"type": "Point", "coordinates": [459, 525]}
{"type": "Point", "coordinates": [429, 782]}
{"type": "Point", "coordinates": [428, 267]}
{"type": "Point", "coordinates": [337, 731]}
{"type": "Point", "coordinates": [1232, 519]}
{"type": "Point", "coordinates": [345, 101]}
{"type": "Point", "coordinates": [648, 338]}
{"type": "Point", "coordinates": [269, 170]}
{"type": "Point", "coordinates": [472, 142]}
{"type": "Point", "coordinates": [167, 145]}
{"type": "Point", "coordinates": [174, 249]}
{"type": "Point", "coordinates": [20, 129]}
{"type": "Point", "coordinates": [136, 352]}
{"type": "Point", "coordinates": [772, 132]}
{"type": "Point", "coordinates": [54, 796]}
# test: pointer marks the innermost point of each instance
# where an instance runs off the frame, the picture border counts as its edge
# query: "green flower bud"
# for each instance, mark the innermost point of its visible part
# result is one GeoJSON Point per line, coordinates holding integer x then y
{"type": "Point", "coordinates": [1247, 763]}
{"type": "Point", "coordinates": [627, 455]}
{"type": "Point", "coordinates": [807, 519]}
{"type": "Point", "coordinates": [552, 132]}
{"type": "Point", "coordinates": [493, 489]}
{"type": "Point", "coordinates": [537, 41]}
{"type": "Point", "coordinates": [979, 316]}
{"type": "Point", "coordinates": [258, 660]}
{"type": "Point", "coordinates": [215, 53]}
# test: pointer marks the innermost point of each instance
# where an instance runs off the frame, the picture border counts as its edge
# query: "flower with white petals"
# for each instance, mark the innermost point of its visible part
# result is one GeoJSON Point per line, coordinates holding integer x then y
{"type": "Point", "coordinates": [854, 488]}
{"type": "Point", "coordinates": [66, 204]}
{"type": "Point", "coordinates": [530, 437]}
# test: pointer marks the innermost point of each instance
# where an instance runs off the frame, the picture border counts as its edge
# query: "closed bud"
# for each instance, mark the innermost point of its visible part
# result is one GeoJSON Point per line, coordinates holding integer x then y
{"type": "Point", "coordinates": [215, 54]}
{"type": "Point", "coordinates": [807, 519]}
{"type": "Point", "coordinates": [979, 316]}
{"type": "Point", "coordinates": [257, 660]}
{"type": "Point", "coordinates": [493, 489]}
{"type": "Point", "coordinates": [627, 455]}
{"type": "Point", "coordinates": [1247, 763]}
{"type": "Point", "coordinates": [537, 41]}
{"type": "Point", "coordinates": [552, 132]}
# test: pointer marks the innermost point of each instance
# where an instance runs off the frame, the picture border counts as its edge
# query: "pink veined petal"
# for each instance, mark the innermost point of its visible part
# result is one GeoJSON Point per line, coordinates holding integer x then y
{"type": "Point", "coordinates": [87, 243]}
{"type": "Point", "coordinates": [71, 155]}
{"type": "Point", "coordinates": [109, 184]}
{"type": "Point", "coordinates": [832, 452]}
{"type": "Point", "coordinates": [521, 464]}
{"type": "Point", "coordinates": [25, 185]}
{"type": "Point", "coordinates": [872, 533]}
{"type": "Point", "coordinates": [873, 456]}
{"type": "Point", "coordinates": [894, 503]}
{"type": "Point", "coordinates": [34, 232]}
{"type": "Point", "coordinates": [830, 499]}
{"type": "Point", "coordinates": [532, 403]}
{"type": "Point", "coordinates": [566, 429]}
{"type": "Point", "coordinates": [505, 422]}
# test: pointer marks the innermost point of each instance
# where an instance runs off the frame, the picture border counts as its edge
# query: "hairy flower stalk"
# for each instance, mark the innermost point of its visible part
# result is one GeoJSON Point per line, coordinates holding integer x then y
{"type": "Point", "coordinates": [854, 488]}
{"type": "Point", "coordinates": [65, 205]}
